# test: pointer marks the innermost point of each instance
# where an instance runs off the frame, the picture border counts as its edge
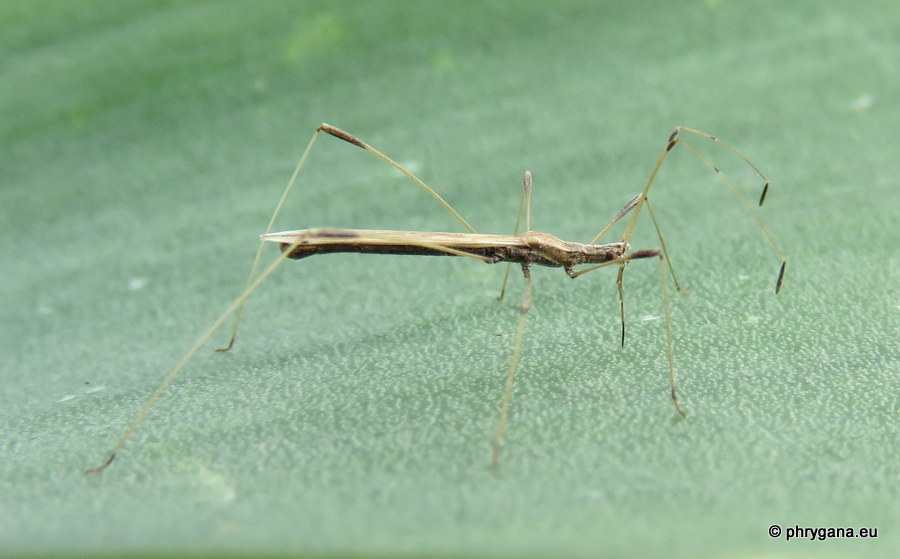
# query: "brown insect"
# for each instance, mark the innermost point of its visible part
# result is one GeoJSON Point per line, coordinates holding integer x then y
{"type": "Point", "coordinates": [528, 248]}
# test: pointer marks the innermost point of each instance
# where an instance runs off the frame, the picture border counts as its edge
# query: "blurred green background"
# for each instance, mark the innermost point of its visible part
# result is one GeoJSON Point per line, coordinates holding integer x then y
{"type": "Point", "coordinates": [144, 145]}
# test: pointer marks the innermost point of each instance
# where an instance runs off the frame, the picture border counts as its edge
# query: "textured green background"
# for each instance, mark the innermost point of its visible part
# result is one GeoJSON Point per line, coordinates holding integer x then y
{"type": "Point", "coordinates": [143, 145]}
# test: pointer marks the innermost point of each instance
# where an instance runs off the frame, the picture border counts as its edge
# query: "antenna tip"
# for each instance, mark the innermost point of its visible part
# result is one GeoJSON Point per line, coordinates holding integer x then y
{"type": "Point", "coordinates": [780, 277]}
{"type": "Point", "coordinates": [765, 191]}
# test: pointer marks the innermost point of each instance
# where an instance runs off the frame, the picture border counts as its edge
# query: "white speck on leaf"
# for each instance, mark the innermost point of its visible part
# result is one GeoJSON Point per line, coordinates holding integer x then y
{"type": "Point", "coordinates": [135, 284]}
{"type": "Point", "coordinates": [862, 103]}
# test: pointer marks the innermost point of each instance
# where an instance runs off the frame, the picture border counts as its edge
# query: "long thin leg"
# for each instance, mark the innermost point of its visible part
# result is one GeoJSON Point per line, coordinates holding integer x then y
{"type": "Point", "coordinates": [619, 278]}
{"type": "Point", "coordinates": [252, 283]}
{"type": "Point", "coordinates": [744, 202]}
{"type": "Point", "coordinates": [621, 263]}
{"type": "Point", "coordinates": [643, 198]}
{"type": "Point", "coordinates": [675, 139]}
{"type": "Point", "coordinates": [170, 376]}
{"type": "Point", "coordinates": [670, 353]}
{"type": "Point", "coordinates": [638, 201]}
{"type": "Point", "coordinates": [349, 138]}
{"type": "Point", "coordinates": [662, 244]}
{"type": "Point", "coordinates": [517, 346]}
{"type": "Point", "coordinates": [524, 202]}
{"type": "Point", "coordinates": [513, 368]}
{"type": "Point", "coordinates": [524, 307]}
{"type": "Point", "coordinates": [621, 213]}
{"type": "Point", "coordinates": [670, 356]}
{"type": "Point", "coordinates": [259, 250]}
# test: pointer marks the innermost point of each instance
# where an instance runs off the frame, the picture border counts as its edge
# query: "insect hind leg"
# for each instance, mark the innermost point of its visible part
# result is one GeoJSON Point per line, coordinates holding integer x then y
{"type": "Point", "coordinates": [351, 139]}
{"type": "Point", "coordinates": [524, 207]}
{"type": "Point", "coordinates": [256, 259]}
{"type": "Point", "coordinates": [524, 307]}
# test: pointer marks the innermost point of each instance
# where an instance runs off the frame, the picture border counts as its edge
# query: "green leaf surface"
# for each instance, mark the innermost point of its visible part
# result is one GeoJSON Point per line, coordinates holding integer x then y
{"type": "Point", "coordinates": [145, 144]}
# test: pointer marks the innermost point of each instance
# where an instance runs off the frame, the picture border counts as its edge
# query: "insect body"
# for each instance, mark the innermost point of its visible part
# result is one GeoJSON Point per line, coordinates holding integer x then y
{"type": "Point", "coordinates": [525, 248]}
